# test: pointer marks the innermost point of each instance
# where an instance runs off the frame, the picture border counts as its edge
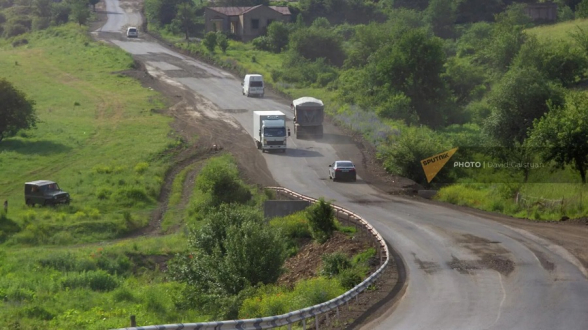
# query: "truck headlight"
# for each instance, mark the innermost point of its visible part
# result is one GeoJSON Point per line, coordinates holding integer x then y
{"type": "Point", "coordinates": [264, 141]}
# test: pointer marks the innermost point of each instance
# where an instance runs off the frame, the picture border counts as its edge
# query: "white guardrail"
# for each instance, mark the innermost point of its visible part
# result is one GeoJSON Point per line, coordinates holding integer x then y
{"type": "Point", "coordinates": [302, 314]}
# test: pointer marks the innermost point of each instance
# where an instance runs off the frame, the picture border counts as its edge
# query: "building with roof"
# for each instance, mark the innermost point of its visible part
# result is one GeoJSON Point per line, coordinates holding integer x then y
{"type": "Point", "coordinates": [244, 22]}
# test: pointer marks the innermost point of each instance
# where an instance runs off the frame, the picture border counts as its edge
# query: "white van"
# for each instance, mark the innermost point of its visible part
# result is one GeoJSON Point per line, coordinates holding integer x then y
{"type": "Point", "coordinates": [253, 85]}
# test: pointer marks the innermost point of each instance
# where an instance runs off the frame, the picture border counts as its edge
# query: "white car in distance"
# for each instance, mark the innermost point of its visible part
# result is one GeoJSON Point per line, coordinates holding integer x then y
{"type": "Point", "coordinates": [132, 32]}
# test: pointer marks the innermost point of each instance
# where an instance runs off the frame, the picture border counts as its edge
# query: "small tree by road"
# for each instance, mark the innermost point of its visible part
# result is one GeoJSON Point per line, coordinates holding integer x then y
{"type": "Point", "coordinates": [562, 134]}
{"type": "Point", "coordinates": [16, 110]}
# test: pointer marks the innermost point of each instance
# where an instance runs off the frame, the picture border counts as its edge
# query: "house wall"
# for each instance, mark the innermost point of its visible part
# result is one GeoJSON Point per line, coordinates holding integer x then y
{"type": "Point", "coordinates": [209, 15]}
{"type": "Point", "coordinates": [263, 14]}
{"type": "Point", "coordinates": [542, 11]}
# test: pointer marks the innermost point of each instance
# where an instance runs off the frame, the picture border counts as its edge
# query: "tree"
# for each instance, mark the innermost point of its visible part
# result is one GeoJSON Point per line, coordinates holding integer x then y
{"type": "Point", "coordinates": [43, 8]}
{"type": "Point", "coordinates": [278, 35]}
{"type": "Point", "coordinates": [185, 18]}
{"type": "Point", "coordinates": [222, 41]}
{"type": "Point", "coordinates": [561, 61]}
{"type": "Point", "coordinates": [413, 65]}
{"type": "Point", "coordinates": [16, 110]}
{"type": "Point", "coordinates": [233, 250]}
{"type": "Point", "coordinates": [321, 219]}
{"type": "Point", "coordinates": [315, 43]}
{"type": "Point", "coordinates": [441, 14]}
{"type": "Point", "coordinates": [80, 12]}
{"type": "Point", "coordinates": [562, 134]}
{"type": "Point", "coordinates": [520, 97]}
{"type": "Point", "coordinates": [210, 41]}
{"type": "Point", "coordinates": [93, 3]}
{"type": "Point", "coordinates": [582, 9]}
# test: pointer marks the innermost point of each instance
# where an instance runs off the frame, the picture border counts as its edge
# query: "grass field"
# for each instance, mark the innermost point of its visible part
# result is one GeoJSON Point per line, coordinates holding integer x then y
{"type": "Point", "coordinates": [98, 138]}
{"type": "Point", "coordinates": [560, 31]}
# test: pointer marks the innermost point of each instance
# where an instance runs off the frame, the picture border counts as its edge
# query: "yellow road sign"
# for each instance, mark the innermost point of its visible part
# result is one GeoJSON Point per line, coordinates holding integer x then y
{"type": "Point", "coordinates": [434, 164]}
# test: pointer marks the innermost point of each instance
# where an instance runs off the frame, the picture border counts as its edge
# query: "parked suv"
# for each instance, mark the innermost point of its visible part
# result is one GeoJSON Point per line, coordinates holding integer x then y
{"type": "Point", "coordinates": [45, 192]}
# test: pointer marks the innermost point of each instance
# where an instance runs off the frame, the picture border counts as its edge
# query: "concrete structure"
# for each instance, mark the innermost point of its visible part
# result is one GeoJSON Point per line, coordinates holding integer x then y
{"type": "Point", "coordinates": [245, 22]}
{"type": "Point", "coordinates": [545, 11]}
{"type": "Point", "coordinates": [272, 209]}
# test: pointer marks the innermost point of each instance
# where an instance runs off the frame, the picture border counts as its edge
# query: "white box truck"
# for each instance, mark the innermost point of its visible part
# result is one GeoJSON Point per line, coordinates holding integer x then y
{"type": "Point", "coordinates": [269, 130]}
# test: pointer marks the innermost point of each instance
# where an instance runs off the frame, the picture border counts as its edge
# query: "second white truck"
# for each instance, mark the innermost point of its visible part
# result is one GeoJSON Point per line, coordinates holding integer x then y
{"type": "Point", "coordinates": [269, 130]}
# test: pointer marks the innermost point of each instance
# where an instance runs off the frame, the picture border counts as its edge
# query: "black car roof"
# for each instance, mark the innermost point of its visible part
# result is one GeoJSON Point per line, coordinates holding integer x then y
{"type": "Point", "coordinates": [40, 182]}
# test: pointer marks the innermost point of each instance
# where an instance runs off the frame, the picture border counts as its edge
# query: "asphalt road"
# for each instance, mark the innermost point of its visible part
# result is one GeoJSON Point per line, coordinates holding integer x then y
{"type": "Point", "coordinates": [464, 272]}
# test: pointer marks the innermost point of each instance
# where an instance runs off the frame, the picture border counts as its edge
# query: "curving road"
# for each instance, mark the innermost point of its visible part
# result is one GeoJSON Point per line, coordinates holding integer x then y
{"type": "Point", "coordinates": [464, 272]}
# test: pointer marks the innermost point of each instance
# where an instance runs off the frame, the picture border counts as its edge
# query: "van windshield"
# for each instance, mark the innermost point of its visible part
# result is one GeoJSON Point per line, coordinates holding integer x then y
{"type": "Point", "coordinates": [256, 83]}
{"type": "Point", "coordinates": [274, 132]}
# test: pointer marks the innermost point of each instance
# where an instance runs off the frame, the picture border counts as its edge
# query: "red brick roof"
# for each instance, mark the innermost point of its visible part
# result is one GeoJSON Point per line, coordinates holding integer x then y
{"type": "Point", "coordinates": [236, 11]}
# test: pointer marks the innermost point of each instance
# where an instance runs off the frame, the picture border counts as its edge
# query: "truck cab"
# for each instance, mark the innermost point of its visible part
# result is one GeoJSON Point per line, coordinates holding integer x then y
{"type": "Point", "coordinates": [269, 130]}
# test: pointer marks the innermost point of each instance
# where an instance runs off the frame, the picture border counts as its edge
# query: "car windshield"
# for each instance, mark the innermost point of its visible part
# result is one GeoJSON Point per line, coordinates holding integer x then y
{"type": "Point", "coordinates": [344, 165]}
{"type": "Point", "coordinates": [256, 83]}
{"type": "Point", "coordinates": [50, 187]}
{"type": "Point", "coordinates": [274, 132]}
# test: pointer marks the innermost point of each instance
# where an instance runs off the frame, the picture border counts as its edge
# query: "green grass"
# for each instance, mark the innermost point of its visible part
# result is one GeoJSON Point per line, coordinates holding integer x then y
{"type": "Point", "coordinates": [98, 138]}
{"type": "Point", "coordinates": [174, 215]}
{"type": "Point", "coordinates": [537, 201]}
{"type": "Point", "coordinates": [558, 32]}
{"type": "Point", "coordinates": [91, 287]}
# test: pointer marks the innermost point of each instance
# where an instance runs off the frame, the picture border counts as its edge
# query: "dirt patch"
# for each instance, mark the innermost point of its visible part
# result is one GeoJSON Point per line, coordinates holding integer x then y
{"type": "Point", "coordinates": [428, 267]}
{"type": "Point", "coordinates": [308, 261]}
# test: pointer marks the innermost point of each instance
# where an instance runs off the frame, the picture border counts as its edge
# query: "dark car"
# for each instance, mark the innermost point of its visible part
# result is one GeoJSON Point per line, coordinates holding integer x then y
{"type": "Point", "coordinates": [45, 192]}
{"type": "Point", "coordinates": [342, 170]}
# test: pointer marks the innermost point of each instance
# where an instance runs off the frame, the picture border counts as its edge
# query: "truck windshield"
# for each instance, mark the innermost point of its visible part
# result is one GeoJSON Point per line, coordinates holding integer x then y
{"type": "Point", "coordinates": [274, 132]}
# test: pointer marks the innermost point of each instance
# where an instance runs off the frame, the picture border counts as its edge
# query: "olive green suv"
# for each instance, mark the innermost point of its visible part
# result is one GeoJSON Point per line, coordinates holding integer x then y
{"type": "Point", "coordinates": [44, 192]}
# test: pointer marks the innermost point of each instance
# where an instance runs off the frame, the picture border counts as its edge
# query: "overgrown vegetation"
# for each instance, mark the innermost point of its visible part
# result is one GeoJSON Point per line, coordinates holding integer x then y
{"type": "Point", "coordinates": [417, 78]}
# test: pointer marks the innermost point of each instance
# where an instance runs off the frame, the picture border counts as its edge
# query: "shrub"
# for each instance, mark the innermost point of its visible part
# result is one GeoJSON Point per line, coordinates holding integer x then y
{"type": "Point", "coordinates": [103, 193]}
{"type": "Point", "coordinates": [7, 227]}
{"type": "Point", "coordinates": [222, 41]}
{"type": "Point", "coordinates": [334, 263]}
{"type": "Point", "coordinates": [141, 167]}
{"type": "Point", "coordinates": [130, 195]}
{"type": "Point", "coordinates": [349, 278]}
{"type": "Point", "coordinates": [321, 218]}
{"type": "Point", "coordinates": [210, 41]}
{"type": "Point", "coordinates": [292, 226]}
{"type": "Point", "coordinates": [261, 43]}
{"type": "Point", "coordinates": [95, 280]}
{"type": "Point", "coordinates": [14, 29]}
{"type": "Point", "coordinates": [40, 23]}
{"type": "Point", "coordinates": [316, 291]}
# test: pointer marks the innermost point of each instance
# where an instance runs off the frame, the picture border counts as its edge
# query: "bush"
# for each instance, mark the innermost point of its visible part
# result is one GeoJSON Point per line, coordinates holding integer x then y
{"type": "Point", "coordinates": [403, 155]}
{"type": "Point", "coordinates": [222, 42]}
{"type": "Point", "coordinates": [321, 218]}
{"type": "Point", "coordinates": [94, 280]}
{"type": "Point", "coordinates": [219, 179]}
{"type": "Point", "coordinates": [14, 29]}
{"type": "Point", "coordinates": [129, 196]}
{"type": "Point", "coordinates": [292, 226]}
{"type": "Point", "coordinates": [261, 43]}
{"type": "Point", "coordinates": [349, 278]}
{"type": "Point", "coordinates": [334, 263]}
{"type": "Point", "coordinates": [210, 41]}
{"type": "Point", "coordinates": [40, 23]}
{"type": "Point", "coordinates": [141, 167]}
{"type": "Point", "coordinates": [7, 227]}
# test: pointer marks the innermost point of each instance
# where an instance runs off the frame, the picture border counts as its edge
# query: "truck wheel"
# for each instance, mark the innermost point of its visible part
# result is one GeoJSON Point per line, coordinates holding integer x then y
{"type": "Point", "coordinates": [29, 203]}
